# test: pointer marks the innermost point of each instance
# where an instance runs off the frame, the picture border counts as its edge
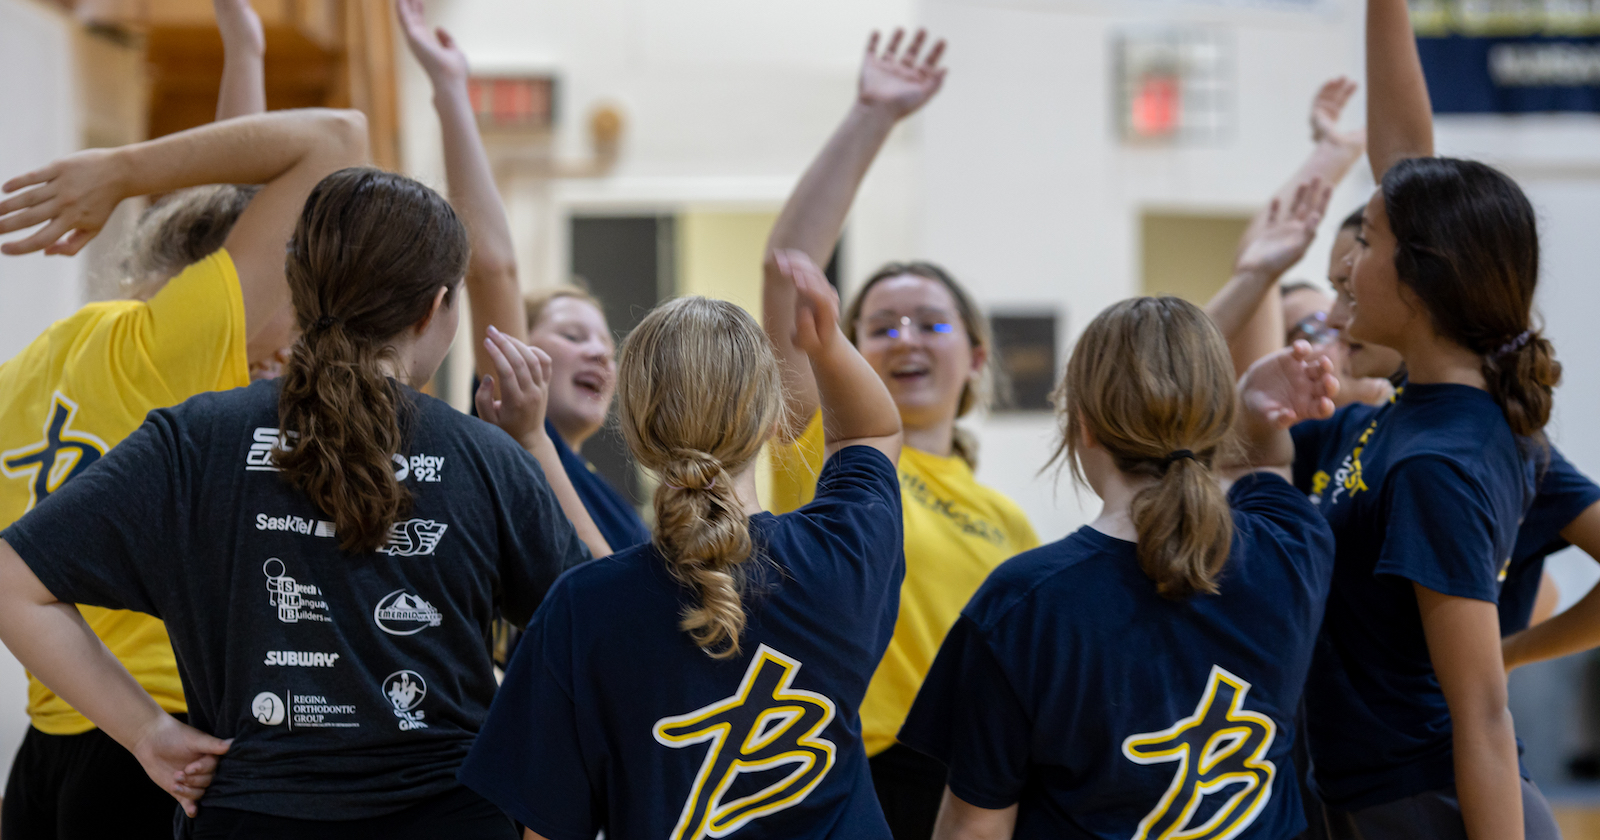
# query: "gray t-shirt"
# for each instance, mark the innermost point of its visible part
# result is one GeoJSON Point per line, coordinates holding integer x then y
{"type": "Point", "coordinates": [353, 684]}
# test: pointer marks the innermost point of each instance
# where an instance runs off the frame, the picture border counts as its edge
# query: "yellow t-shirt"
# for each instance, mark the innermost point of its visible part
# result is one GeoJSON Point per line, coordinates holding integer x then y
{"type": "Point", "coordinates": [86, 384]}
{"type": "Point", "coordinates": [957, 532]}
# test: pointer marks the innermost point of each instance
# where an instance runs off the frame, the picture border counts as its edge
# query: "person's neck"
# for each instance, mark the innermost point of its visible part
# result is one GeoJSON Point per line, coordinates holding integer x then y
{"type": "Point", "coordinates": [1116, 490]}
{"type": "Point", "coordinates": [573, 437]}
{"type": "Point", "coordinates": [1432, 359]}
{"type": "Point", "coordinates": [937, 438]}
{"type": "Point", "coordinates": [744, 487]}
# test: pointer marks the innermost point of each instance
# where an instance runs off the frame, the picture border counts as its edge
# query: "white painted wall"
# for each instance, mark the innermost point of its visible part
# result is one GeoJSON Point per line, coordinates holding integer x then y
{"type": "Point", "coordinates": [40, 124]}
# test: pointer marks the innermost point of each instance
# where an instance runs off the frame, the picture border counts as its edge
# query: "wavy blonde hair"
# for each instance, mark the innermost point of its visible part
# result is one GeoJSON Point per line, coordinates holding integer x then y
{"type": "Point", "coordinates": [700, 392]}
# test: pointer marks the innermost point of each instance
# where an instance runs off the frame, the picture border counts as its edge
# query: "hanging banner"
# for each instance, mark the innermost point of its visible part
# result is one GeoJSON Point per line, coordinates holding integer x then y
{"type": "Point", "coordinates": [1510, 56]}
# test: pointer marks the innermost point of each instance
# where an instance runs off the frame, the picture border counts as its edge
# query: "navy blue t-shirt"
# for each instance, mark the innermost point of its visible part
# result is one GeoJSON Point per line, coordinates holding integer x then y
{"type": "Point", "coordinates": [617, 520]}
{"type": "Point", "coordinates": [352, 684]}
{"type": "Point", "coordinates": [1564, 493]}
{"type": "Point", "coordinates": [1073, 690]}
{"type": "Point", "coordinates": [610, 717]}
{"type": "Point", "coordinates": [1427, 489]}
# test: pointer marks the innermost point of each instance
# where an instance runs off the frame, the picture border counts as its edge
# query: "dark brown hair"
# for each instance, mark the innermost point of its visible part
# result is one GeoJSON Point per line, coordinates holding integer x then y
{"type": "Point", "coordinates": [1151, 380]}
{"type": "Point", "coordinates": [1467, 243]}
{"type": "Point", "coordinates": [369, 254]}
{"type": "Point", "coordinates": [979, 334]}
{"type": "Point", "coordinates": [700, 392]}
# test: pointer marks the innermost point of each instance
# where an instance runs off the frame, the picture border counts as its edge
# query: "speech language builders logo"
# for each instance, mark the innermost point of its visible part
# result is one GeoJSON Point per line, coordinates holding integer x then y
{"type": "Point", "coordinates": [402, 614]}
{"type": "Point", "coordinates": [267, 708]}
{"type": "Point", "coordinates": [405, 690]}
{"type": "Point", "coordinates": [296, 602]}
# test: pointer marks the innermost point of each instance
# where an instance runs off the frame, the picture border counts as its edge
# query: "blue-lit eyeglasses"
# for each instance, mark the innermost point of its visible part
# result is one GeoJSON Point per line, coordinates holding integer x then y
{"type": "Point", "coordinates": [908, 327]}
{"type": "Point", "coordinates": [1314, 329]}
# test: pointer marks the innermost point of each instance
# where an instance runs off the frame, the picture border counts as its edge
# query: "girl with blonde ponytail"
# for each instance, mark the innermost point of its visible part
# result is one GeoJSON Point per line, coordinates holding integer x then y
{"type": "Point", "coordinates": [1140, 677]}
{"type": "Point", "coordinates": [736, 646]}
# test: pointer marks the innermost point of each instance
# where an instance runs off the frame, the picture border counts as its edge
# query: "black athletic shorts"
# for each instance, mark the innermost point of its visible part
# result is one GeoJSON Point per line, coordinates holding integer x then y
{"type": "Point", "coordinates": [910, 786]}
{"type": "Point", "coordinates": [457, 814]}
{"type": "Point", "coordinates": [82, 787]}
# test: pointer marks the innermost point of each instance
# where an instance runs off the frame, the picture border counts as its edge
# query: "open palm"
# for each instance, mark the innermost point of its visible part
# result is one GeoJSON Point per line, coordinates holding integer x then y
{"type": "Point", "coordinates": [1325, 112]}
{"type": "Point", "coordinates": [1283, 238]}
{"type": "Point", "coordinates": [434, 49]}
{"type": "Point", "coordinates": [1291, 385]}
{"type": "Point", "coordinates": [902, 82]}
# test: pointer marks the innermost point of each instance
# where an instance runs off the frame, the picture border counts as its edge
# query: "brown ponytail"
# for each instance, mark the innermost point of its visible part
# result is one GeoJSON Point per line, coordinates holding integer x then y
{"type": "Point", "coordinates": [370, 253]}
{"type": "Point", "coordinates": [700, 392]}
{"type": "Point", "coordinates": [1151, 381]}
{"type": "Point", "coordinates": [1467, 243]}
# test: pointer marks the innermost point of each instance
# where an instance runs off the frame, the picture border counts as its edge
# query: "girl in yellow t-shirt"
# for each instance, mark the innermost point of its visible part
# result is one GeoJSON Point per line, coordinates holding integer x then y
{"type": "Point", "coordinates": [930, 344]}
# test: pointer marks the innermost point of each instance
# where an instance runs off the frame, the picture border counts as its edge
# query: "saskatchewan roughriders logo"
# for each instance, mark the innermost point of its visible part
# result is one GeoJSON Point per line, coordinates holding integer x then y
{"type": "Point", "coordinates": [402, 614]}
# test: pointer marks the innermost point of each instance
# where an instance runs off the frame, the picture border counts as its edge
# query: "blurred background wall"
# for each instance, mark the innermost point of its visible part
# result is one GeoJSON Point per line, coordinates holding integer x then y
{"type": "Point", "coordinates": [645, 146]}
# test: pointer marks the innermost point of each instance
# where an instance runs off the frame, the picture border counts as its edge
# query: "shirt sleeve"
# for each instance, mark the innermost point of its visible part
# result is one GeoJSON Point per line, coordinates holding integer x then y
{"type": "Point", "coordinates": [1440, 530]}
{"type": "Point", "coordinates": [968, 716]}
{"type": "Point", "coordinates": [102, 539]}
{"type": "Point", "coordinates": [527, 758]}
{"type": "Point", "coordinates": [537, 540]}
{"type": "Point", "coordinates": [857, 513]}
{"type": "Point", "coordinates": [1309, 437]}
{"type": "Point", "coordinates": [192, 333]}
{"type": "Point", "coordinates": [1564, 494]}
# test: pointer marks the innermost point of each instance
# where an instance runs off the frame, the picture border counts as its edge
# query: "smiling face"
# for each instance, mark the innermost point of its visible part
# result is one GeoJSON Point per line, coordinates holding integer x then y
{"type": "Point", "coordinates": [911, 332]}
{"type": "Point", "coordinates": [583, 369]}
{"type": "Point", "coordinates": [1382, 311]}
{"type": "Point", "coordinates": [1362, 360]}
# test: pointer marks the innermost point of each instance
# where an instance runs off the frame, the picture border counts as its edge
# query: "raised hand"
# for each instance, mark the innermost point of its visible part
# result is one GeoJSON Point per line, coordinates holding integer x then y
{"type": "Point", "coordinates": [816, 314]}
{"type": "Point", "coordinates": [180, 759]}
{"type": "Point", "coordinates": [434, 49]}
{"type": "Point", "coordinates": [1325, 111]}
{"type": "Point", "coordinates": [240, 27]}
{"type": "Point", "coordinates": [73, 197]}
{"type": "Point", "coordinates": [524, 377]}
{"type": "Point", "coordinates": [1291, 385]}
{"type": "Point", "coordinates": [1286, 233]}
{"type": "Point", "coordinates": [901, 82]}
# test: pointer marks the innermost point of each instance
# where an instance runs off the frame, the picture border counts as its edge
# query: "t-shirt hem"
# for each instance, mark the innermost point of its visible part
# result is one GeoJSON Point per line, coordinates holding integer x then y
{"type": "Point", "coordinates": [315, 807]}
{"type": "Point", "coordinates": [1369, 789]}
{"type": "Point", "coordinates": [1441, 586]}
{"type": "Point", "coordinates": [513, 807]}
{"type": "Point", "coordinates": [990, 802]}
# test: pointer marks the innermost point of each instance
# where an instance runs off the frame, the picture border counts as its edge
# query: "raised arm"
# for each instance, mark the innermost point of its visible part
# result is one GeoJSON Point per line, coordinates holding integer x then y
{"type": "Point", "coordinates": [244, 45]}
{"type": "Point", "coordinates": [286, 151]}
{"type": "Point", "coordinates": [856, 407]}
{"type": "Point", "coordinates": [1399, 113]}
{"type": "Point", "coordinates": [53, 642]}
{"type": "Point", "coordinates": [893, 85]}
{"type": "Point", "coordinates": [1293, 384]}
{"type": "Point", "coordinates": [1248, 315]}
{"type": "Point", "coordinates": [493, 292]}
{"type": "Point", "coordinates": [1578, 628]}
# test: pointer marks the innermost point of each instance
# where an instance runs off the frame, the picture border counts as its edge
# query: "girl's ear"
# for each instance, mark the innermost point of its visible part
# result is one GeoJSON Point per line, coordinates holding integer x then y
{"type": "Point", "coordinates": [441, 300]}
{"type": "Point", "coordinates": [980, 357]}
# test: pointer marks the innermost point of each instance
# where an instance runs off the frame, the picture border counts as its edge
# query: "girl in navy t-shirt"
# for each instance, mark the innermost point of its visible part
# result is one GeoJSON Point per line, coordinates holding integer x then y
{"type": "Point", "coordinates": [708, 682]}
{"type": "Point", "coordinates": [1139, 678]}
{"type": "Point", "coordinates": [1406, 704]}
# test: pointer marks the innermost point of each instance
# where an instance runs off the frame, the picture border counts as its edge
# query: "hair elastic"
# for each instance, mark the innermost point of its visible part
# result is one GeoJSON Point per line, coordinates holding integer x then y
{"type": "Point", "coordinates": [709, 485]}
{"type": "Point", "coordinates": [325, 322]}
{"type": "Point", "coordinates": [1515, 344]}
{"type": "Point", "coordinates": [1177, 455]}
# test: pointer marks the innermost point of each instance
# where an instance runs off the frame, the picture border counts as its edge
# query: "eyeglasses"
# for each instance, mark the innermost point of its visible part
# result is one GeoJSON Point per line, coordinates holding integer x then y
{"type": "Point", "coordinates": [907, 328]}
{"type": "Point", "coordinates": [1314, 329]}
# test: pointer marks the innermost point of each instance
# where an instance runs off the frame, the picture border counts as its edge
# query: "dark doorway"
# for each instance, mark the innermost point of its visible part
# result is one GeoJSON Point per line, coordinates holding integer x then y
{"type": "Point", "coordinates": [628, 263]}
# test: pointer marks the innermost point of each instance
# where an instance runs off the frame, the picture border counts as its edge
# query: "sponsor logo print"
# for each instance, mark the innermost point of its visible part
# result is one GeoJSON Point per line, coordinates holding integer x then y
{"type": "Point", "coordinates": [405, 690]}
{"type": "Point", "coordinates": [414, 537]}
{"type": "Point", "coordinates": [402, 614]}
{"type": "Point", "coordinates": [296, 602]}
{"type": "Point", "coordinates": [262, 441]}
{"type": "Point", "coordinates": [424, 468]}
{"type": "Point", "coordinates": [267, 708]}
{"type": "Point", "coordinates": [295, 525]}
{"type": "Point", "coordinates": [64, 452]}
{"type": "Point", "coordinates": [767, 724]}
{"type": "Point", "coordinates": [301, 658]}
{"type": "Point", "coordinates": [302, 711]}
